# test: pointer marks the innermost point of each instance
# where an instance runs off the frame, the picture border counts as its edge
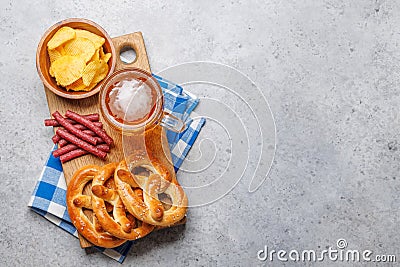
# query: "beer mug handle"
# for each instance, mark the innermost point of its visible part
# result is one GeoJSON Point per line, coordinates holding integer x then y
{"type": "Point", "coordinates": [172, 123]}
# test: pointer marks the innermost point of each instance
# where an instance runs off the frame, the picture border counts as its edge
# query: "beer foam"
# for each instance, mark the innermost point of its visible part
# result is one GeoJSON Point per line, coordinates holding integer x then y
{"type": "Point", "coordinates": [130, 100]}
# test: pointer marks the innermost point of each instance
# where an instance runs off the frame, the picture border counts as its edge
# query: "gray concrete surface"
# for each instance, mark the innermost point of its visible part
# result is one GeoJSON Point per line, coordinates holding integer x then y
{"type": "Point", "coordinates": [330, 70]}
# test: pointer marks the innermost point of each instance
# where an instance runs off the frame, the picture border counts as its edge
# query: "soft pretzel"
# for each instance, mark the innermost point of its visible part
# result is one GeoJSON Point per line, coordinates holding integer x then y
{"type": "Point", "coordinates": [140, 193]}
{"type": "Point", "coordinates": [77, 201]}
{"type": "Point", "coordinates": [120, 224]}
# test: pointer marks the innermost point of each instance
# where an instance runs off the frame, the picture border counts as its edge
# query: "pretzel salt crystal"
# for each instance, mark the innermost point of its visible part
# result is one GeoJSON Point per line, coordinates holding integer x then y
{"type": "Point", "coordinates": [121, 224]}
{"type": "Point", "coordinates": [76, 201]}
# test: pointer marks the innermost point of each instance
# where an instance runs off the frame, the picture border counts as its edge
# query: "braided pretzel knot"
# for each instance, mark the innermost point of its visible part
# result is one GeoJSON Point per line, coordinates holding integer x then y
{"type": "Point", "coordinates": [140, 194]}
{"type": "Point", "coordinates": [76, 201]}
{"type": "Point", "coordinates": [121, 224]}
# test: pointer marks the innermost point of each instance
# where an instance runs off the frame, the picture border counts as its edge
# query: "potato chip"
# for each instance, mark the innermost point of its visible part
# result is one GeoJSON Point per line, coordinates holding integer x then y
{"type": "Point", "coordinates": [104, 56]}
{"type": "Point", "coordinates": [51, 71]}
{"type": "Point", "coordinates": [91, 86]}
{"type": "Point", "coordinates": [101, 73]}
{"type": "Point", "coordinates": [96, 39]}
{"type": "Point", "coordinates": [61, 50]}
{"type": "Point", "coordinates": [76, 86]}
{"type": "Point", "coordinates": [68, 69]}
{"type": "Point", "coordinates": [96, 56]}
{"type": "Point", "coordinates": [101, 50]}
{"type": "Point", "coordinates": [81, 47]}
{"type": "Point", "coordinates": [107, 57]}
{"type": "Point", "coordinates": [63, 35]}
{"type": "Point", "coordinates": [90, 71]}
{"type": "Point", "coordinates": [79, 86]}
{"type": "Point", "coordinates": [54, 54]}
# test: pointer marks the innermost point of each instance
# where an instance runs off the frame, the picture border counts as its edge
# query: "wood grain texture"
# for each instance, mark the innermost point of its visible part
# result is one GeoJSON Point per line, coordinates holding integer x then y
{"type": "Point", "coordinates": [91, 105]}
{"type": "Point", "coordinates": [135, 41]}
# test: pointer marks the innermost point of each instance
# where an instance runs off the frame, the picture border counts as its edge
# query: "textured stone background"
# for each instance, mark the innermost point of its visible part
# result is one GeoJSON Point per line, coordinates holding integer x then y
{"type": "Point", "coordinates": [330, 70]}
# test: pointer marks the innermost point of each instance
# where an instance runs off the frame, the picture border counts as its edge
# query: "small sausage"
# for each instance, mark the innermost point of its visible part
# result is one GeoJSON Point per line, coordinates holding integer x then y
{"type": "Point", "coordinates": [72, 154]}
{"type": "Point", "coordinates": [71, 147]}
{"type": "Point", "coordinates": [89, 132]}
{"type": "Point", "coordinates": [101, 133]}
{"type": "Point", "coordinates": [92, 117]}
{"type": "Point", "coordinates": [63, 150]}
{"type": "Point", "coordinates": [81, 143]}
{"type": "Point", "coordinates": [62, 142]}
{"type": "Point", "coordinates": [56, 139]}
{"type": "Point", "coordinates": [73, 130]}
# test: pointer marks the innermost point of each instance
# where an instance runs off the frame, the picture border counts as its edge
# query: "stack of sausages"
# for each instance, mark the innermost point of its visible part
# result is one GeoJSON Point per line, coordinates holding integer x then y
{"type": "Point", "coordinates": [80, 135]}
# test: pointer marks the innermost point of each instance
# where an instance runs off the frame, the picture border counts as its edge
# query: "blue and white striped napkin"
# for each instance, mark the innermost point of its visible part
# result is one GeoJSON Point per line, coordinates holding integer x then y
{"type": "Point", "coordinates": [48, 197]}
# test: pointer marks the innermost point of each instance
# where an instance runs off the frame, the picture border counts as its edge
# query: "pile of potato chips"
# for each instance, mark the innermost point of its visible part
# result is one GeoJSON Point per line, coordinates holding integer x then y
{"type": "Point", "coordinates": [77, 59]}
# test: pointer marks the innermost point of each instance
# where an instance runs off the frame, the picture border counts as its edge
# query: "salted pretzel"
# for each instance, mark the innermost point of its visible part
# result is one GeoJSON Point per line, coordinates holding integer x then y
{"type": "Point", "coordinates": [105, 199]}
{"type": "Point", "coordinates": [140, 193]}
{"type": "Point", "coordinates": [144, 193]}
{"type": "Point", "coordinates": [77, 201]}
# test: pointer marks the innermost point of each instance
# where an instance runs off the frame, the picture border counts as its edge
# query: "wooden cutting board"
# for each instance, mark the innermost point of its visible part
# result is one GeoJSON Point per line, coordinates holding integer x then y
{"type": "Point", "coordinates": [91, 105]}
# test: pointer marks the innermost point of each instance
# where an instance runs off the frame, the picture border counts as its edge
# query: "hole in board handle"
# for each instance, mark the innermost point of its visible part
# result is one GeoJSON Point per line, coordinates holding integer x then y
{"type": "Point", "coordinates": [127, 55]}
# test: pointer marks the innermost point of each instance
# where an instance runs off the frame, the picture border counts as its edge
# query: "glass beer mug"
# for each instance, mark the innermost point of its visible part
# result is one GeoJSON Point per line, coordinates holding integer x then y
{"type": "Point", "coordinates": [132, 102]}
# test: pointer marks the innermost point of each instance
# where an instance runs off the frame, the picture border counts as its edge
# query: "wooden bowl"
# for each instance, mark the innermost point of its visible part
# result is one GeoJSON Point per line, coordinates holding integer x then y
{"type": "Point", "coordinates": [43, 60]}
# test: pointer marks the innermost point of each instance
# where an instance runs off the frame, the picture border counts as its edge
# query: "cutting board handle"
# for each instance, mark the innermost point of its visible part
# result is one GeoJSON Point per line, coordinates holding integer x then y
{"type": "Point", "coordinates": [136, 42]}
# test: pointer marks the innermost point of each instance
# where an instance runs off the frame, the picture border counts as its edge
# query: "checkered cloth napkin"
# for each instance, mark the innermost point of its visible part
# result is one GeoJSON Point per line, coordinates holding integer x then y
{"type": "Point", "coordinates": [48, 197]}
